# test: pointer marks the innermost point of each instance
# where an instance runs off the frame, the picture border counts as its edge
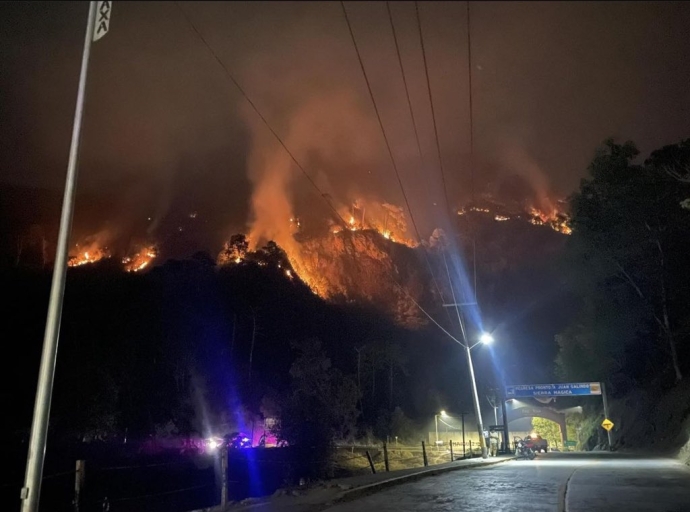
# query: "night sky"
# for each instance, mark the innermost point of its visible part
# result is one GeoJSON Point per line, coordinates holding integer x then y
{"type": "Point", "coordinates": [165, 130]}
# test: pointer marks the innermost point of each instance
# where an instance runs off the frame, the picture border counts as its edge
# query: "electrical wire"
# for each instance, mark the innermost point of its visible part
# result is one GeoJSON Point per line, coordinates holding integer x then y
{"type": "Point", "coordinates": [449, 425]}
{"type": "Point", "coordinates": [402, 72]}
{"type": "Point", "coordinates": [251, 103]}
{"type": "Point", "coordinates": [440, 162]}
{"type": "Point", "coordinates": [457, 308]}
{"type": "Point", "coordinates": [390, 151]}
{"type": "Point", "coordinates": [469, 78]}
{"type": "Point", "coordinates": [258, 112]}
{"type": "Point", "coordinates": [433, 111]}
{"type": "Point", "coordinates": [419, 146]}
{"type": "Point", "coordinates": [378, 115]}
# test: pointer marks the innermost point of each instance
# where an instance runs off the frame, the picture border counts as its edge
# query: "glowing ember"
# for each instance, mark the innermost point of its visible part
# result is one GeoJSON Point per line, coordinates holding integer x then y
{"type": "Point", "coordinates": [501, 218]}
{"type": "Point", "coordinates": [387, 235]}
{"type": "Point", "coordinates": [140, 260]}
{"type": "Point", "coordinates": [288, 273]}
{"type": "Point", "coordinates": [238, 259]}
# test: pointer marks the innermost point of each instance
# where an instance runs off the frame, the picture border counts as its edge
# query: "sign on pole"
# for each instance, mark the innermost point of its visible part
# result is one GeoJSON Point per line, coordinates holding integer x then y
{"type": "Point", "coordinates": [102, 23]}
{"type": "Point", "coordinates": [550, 390]}
{"type": "Point", "coordinates": [607, 424]}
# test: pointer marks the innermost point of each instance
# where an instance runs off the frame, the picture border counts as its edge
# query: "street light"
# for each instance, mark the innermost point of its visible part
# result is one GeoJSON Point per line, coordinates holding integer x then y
{"type": "Point", "coordinates": [443, 415]}
{"type": "Point", "coordinates": [484, 339]}
{"type": "Point", "coordinates": [487, 338]}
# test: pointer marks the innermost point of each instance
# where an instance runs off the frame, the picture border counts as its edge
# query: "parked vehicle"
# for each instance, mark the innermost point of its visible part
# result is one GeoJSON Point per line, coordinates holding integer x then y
{"type": "Point", "coordinates": [537, 443]}
{"type": "Point", "coordinates": [522, 449]}
{"type": "Point", "coordinates": [237, 440]}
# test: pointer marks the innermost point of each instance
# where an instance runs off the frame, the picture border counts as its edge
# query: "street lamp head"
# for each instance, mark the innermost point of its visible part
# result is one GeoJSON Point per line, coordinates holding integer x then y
{"type": "Point", "coordinates": [486, 338]}
{"type": "Point", "coordinates": [443, 414]}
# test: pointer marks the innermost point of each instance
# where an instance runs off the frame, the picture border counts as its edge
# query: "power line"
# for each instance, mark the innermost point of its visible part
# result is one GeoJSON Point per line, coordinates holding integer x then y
{"type": "Point", "coordinates": [433, 112]}
{"type": "Point", "coordinates": [426, 313]}
{"type": "Point", "coordinates": [469, 69]}
{"type": "Point", "coordinates": [457, 308]}
{"type": "Point", "coordinates": [251, 103]}
{"type": "Point", "coordinates": [440, 158]}
{"type": "Point", "coordinates": [378, 116]}
{"type": "Point", "coordinates": [229, 75]}
{"type": "Point", "coordinates": [469, 78]}
{"type": "Point", "coordinates": [390, 152]}
{"type": "Point", "coordinates": [402, 72]}
{"type": "Point", "coordinates": [416, 134]}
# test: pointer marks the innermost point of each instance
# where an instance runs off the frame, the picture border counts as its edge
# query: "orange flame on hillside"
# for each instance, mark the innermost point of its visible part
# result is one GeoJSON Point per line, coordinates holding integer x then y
{"type": "Point", "coordinates": [87, 253]}
{"type": "Point", "coordinates": [141, 259]}
{"type": "Point", "coordinates": [556, 220]}
{"type": "Point", "coordinates": [386, 219]}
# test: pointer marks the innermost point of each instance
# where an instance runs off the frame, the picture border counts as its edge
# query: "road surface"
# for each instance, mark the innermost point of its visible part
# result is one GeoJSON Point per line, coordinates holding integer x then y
{"type": "Point", "coordinates": [553, 482]}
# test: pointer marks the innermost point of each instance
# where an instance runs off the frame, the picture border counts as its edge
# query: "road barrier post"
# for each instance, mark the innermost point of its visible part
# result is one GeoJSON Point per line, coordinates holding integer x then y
{"type": "Point", "coordinates": [426, 461]}
{"type": "Point", "coordinates": [385, 456]}
{"type": "Point", "coordinates": [606, 414]}
{"type": "Point", "coordinates": [451, 450]}
{"type": "Point", "coordinates": [371, 462]}
{"type": "Point", "coordinates": [224, 477]}
{"type": "Point", "coordinates": [79, 475]}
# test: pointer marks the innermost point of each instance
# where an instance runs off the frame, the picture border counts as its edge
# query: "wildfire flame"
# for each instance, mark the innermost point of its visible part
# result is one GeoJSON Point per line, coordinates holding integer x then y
{"type": "Point", "coordinates": [141, 259]}
{"type": "Point", "coordinates": [556, 220]}
{"type": "Point", "coordinates": [90, 254]}
{"type": "Point", "coordinates": [386, 219]}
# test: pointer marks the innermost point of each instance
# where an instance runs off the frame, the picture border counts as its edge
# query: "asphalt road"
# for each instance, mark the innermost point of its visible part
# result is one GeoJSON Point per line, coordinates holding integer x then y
{"type": "Point", "coordinates": [553, 482]}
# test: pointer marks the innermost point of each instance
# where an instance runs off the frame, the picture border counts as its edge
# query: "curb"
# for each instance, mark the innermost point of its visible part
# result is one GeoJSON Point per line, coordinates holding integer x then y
{"type": "Point", "coordinates": [365, 490]}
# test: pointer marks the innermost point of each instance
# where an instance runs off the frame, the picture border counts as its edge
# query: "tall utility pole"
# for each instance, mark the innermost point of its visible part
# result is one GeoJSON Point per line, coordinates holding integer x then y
{"type": "Point", "coordinates": [504, 412]}
{"type": "Point", "coordinates": [436, 421]}
{"type": "Point", "coordinates": [359, 360]}
{"type": "Point", "coordinates": [477, 409]}
{"type": "Point", "coordinates": [31, 490]}
{"type": "Point", "coordinates": [251, 349]}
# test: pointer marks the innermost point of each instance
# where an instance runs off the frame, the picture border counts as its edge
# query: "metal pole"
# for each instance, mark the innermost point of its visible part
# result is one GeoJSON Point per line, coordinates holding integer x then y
{"type": "Point", "coordinates": [385, 457]}
{"type": "Point", "coordinates": [463, 435]}
{"type": "Point", "coordinates": [371, 463]}
{"type": "Point", "coordinates": [31, 491]}
{"type": "Point", "coordinates": [78, 484]}
{"type": "Point", "coordinates": [436, 419]}
{"type": "Point", "coordinates": [606, 413]}
{"type": "Point", "coordinates": [477, 408]}
{"type": "Point", "coordinates": [224, 477]}
{"type": "Point", "coordinates": [506, 438]}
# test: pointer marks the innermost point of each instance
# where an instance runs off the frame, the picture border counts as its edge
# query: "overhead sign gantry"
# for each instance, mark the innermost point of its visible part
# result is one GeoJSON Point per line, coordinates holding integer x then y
{"type": "Point", "coordinates": [563, 389]}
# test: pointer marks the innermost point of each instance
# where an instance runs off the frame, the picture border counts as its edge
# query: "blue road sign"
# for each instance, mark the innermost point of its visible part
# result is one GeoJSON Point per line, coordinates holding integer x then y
{"type": "Point", "coordinates": [548, 390]}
